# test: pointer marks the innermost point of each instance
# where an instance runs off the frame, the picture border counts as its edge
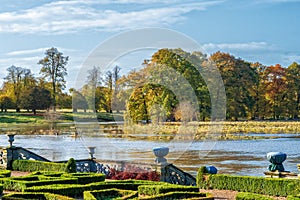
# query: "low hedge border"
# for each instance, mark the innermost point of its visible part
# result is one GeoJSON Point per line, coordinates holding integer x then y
{"type": "Point", "coordinates": [180, 195]}
{"type": "Point", "coordinates": [109, 194]}
{"type": "Point", "coordinates": [77, 190]}
{"type": "Point", "coordinates": [259, 185]}
{"type": "Point", "coordinates": [5, 173]}
{"type": "Point", "coordinates": [86, 178]}
{"type": "Point", "coordinates": [296, 197]}
{"type": "Point", "coordinates": [151, 190]}
{"type": "Point", "coordinates": [34, 165]}
{"type": "Point", "coordinates": [27, 195]}
{"type": "Point", "coordinates": [251, 196]}
{"type": "Point", "coordinates": [21, 185]}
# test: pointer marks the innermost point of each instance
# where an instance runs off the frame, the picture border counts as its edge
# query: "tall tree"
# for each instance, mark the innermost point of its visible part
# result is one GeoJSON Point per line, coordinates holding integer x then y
{"type": "Point", "coordinates": [19, 78]}
{"type": "Point", "coordinates": [238, 78]}
{"type": "Point", "coordinates": [276, 90]}
{"type": "Point", "coordinates": [54, 68]}
{"type": "Point", "coordinates": [293, 92]}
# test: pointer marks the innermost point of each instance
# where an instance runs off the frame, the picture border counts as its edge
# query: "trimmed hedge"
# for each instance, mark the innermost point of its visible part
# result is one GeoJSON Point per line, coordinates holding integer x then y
{"type": "Point", "coordinates": [85, 178]}
{"type": "Point", "coordinates": [21, 185]}
{"type": "Point", "coordinates": [251, 196]}
{"type": "Point", "coordinates": [151, 190]}
{"type": "Point", "coordinates": [75, 190]}
{"type": "Point", "coordinates": [109, 194]}
{"type": "Point", "coordinates": [290, 197]}
{"type": "Point", "coordinates": [34, 165]}
{"type": "Point", "coordinates": [5, 173]}
{"type": "Point", "coordinates": [180, 195]}
{"type": "Point", "coordinates": [259, 185]}
{"type": "Point", "coordinates": [41, 196]}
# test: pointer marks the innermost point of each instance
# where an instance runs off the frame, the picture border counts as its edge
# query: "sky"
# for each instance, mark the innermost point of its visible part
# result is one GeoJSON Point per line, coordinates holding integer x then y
{"type": "Point", "coordinates": [265, 31]}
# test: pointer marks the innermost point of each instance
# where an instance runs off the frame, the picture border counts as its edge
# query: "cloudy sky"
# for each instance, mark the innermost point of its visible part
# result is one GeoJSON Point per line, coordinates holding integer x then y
{"type": "Point", "coordinates": [267, 31]}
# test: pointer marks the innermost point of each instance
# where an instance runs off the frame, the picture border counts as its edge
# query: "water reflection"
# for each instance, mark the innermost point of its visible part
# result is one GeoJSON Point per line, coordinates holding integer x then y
{"type": "Point", "coordinates": [245, 157]}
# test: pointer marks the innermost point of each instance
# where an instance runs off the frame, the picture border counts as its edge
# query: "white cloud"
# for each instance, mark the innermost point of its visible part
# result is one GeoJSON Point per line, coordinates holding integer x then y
{"type": "Point", "coordinates": [251, 46]}
{"type": "Point", "coordinates": [38, 51]}
{"type": "Point", "coordinates": [73, 16]}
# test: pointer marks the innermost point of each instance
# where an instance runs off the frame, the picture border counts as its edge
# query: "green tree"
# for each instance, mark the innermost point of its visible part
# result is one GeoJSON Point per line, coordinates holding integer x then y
{"type": "Point", "coordinates": [18, 78]}
{"type": "Point", "coordinates": [293, 92]}
{"type": "Point", "coordinates": [6, 103]}
{"type": "Point", "coordinates": [36, 98]}
{"type": "Point", "coordinates": [79, 101]}
{"type": "Point", "coordinates": [54, 68]}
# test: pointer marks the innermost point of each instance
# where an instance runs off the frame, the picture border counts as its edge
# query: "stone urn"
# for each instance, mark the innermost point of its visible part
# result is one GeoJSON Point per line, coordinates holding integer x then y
{"type": "Point", "coordinates": [276, 159]}
{"type": "Point", "coordinates": [160, 153]}
{"type": "Point", "coordinates": [11, 139]}
{"type": "Point", "coordinates": [92, 151]}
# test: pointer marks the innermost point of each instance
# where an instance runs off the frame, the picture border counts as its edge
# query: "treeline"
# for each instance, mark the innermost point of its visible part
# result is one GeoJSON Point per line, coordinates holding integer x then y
{"type": "Point", "coordinates": [162, 90]}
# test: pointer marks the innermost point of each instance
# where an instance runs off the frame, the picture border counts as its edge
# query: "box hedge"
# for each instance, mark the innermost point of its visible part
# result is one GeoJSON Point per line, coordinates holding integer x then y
{"type": "Point", "coordinates": [21, 185]}
{"type": "Point", "coordinates": [77, 190]}
{"type": "Point", "coordinates": [151, 190]}
{"type": "Point", "coordinates": [251, 196]}
{"type": "Point", "coordinates": [109, 194]}
{"type": "Point", "coordinates": [180, 195]}
{"type": "Point", "coordinates": [34, 165]}
{"type": "Point", "coordinates": [5, 173]}
{"type": "Point", "coordinates": [260, 185]}
{"type": "Point", "coordinates": [41, 196]}
{"type": "Point", "coordinates": [85, 178]}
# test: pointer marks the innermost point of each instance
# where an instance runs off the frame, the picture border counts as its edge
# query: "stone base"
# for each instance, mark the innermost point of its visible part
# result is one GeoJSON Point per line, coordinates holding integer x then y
{"type": "Point", "coordinates": [277, 174]}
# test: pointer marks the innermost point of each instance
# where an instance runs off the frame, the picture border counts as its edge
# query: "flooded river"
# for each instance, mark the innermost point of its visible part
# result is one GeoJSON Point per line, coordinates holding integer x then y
{"type": "Point", "coordinates": [244, 157]}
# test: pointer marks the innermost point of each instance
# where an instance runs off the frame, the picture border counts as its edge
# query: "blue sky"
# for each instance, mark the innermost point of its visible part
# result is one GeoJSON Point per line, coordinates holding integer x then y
{"type": "Point", "coordinates": [267, 31]}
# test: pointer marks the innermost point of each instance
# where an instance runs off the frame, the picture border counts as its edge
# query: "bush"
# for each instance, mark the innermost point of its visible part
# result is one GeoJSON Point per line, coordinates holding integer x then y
{"type": "Point", "coordinates": [85, 178]}
{"type": "Point", "coordinates": [5, 173]}
{"type": "Point", "coordinates": [1, 189]}
{"type": "Point", "coordinates": [260, 185]}
{"type": "Point", "coordinates": [290, 197]}
{"type": "Point", "coordinates": [251, 196]}
{"type": "Point", "coordinates": [137, 175]}
{"type": "Point", "coordinates": [180, 195]}
{"type": "Point", "coordinates": [46, 196]}
{"type": "Point", "coordinates": [71, 166]}
{"type": "Point", "coordinates": [109, 194]}
{"type": "Point", "coordinates": [77, 190]}
{"type": "Point", "coordinates": [21, 185]}
{"type": "Point", "coordinates": [151, 190]}
{"type": "Point", "coordinates": [34, 165]}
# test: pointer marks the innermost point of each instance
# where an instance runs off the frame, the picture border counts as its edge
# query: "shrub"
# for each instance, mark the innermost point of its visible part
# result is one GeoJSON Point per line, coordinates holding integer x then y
{"type": "Point", "coordinates": [251, 196]}
{"type": "Point", "coordinates": [85, 178]}
{"type": "Point", "coordinates": [290, 197]}
{"type": "Point", "coordinates": [34, 165]}
{"type": "Point", "coordinates": [137, 175]}
{"type": "Point", "coordinates": [180, 195]}
{"type": "Point", "coordinates": [5, 173]}
{"type": "Point", "coordinates": [260, 185]}
{"type": "Point", "coordinates": [71, 166]}
{"type": "Point", "coordinates": [151, 190]}
{"type": "Point", "coordinates": [1, 189]}
{"type": "Point", "coordinates": [109, 194]}
{"type": "Point", "coordinates": [21, 185]}
{"type": "Point", "coordinates": [14, 196]}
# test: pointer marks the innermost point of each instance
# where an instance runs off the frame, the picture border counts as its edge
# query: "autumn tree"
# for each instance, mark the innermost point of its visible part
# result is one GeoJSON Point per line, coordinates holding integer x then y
{"type": "Point", "coordinates": [54, 69]}
{"type": "Point", "coordinates": [238, 78]}
{"type": "Point", "coordinates": [6, 103]}
{"type": "Point", "coordinates": [275, 90]}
